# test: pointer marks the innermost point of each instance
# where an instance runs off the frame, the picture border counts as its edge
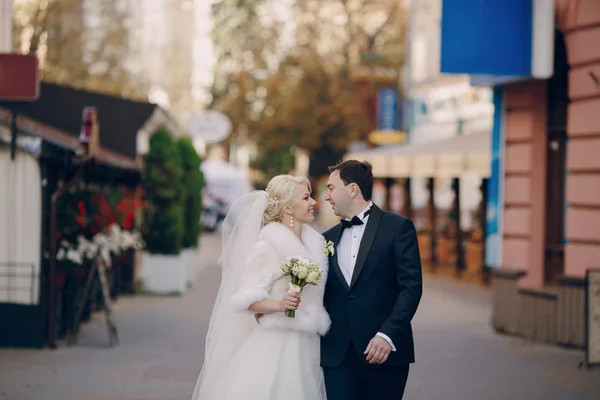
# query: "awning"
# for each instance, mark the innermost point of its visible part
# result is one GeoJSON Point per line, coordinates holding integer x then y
{"type": "Point", "coordinates": [67, 141]}
{"type": "Point", "coordinates": [453, 157]}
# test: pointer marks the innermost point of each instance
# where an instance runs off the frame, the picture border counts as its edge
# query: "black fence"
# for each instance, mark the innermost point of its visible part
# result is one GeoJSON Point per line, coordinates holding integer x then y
{"type": "Point", "coordinates": [21, 315]}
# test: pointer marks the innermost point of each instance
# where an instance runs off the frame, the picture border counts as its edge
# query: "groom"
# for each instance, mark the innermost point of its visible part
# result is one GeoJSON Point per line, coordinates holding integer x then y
{"type": "Point", "coordinates": [372, 293]}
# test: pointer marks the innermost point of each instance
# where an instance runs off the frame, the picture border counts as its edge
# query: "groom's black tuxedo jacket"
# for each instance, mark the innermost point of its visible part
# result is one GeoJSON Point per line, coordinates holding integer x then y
{"type": "Point", "coordinates": [384, 293]}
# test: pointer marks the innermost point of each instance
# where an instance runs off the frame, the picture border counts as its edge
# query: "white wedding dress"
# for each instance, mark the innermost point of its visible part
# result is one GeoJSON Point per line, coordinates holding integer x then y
{"type": "Point", "coordinates": [278, 358]}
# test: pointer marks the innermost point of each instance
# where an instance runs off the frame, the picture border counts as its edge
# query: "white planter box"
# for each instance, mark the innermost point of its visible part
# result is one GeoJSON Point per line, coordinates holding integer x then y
{"type": "Point", "coordinates": [162, 274]}
{"type": "Point", "coordinates": [192, 261]}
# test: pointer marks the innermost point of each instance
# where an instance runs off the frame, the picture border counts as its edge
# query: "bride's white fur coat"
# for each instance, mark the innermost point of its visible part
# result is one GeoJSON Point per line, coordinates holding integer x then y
{"type": "Point", "coordinates": [263, 278]}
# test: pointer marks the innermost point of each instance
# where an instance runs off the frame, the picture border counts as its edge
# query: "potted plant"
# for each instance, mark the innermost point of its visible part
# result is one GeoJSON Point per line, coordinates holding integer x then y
{"type": "Point", "coordinates": [192, 203]}
{"type": "Point", "coordinates": [163, 271]}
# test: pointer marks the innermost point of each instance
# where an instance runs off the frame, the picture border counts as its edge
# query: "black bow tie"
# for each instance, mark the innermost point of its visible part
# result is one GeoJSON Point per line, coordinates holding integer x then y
{"type": "Point", "coordinates": [354, 221]}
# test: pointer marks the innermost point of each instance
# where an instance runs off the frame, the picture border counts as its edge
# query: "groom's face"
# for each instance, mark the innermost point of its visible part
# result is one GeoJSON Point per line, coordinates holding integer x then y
{"type": "Point", "coordinates": [338, 195]}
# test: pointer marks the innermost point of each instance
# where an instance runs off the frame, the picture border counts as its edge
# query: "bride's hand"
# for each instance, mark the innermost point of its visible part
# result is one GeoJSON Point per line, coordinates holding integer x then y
{"type": "Point", "coordinates": [291, 301]}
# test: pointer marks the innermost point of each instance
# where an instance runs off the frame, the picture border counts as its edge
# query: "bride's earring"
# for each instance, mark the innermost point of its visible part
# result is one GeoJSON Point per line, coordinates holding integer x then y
{"type": "Point", "coordinates": [291, 220]}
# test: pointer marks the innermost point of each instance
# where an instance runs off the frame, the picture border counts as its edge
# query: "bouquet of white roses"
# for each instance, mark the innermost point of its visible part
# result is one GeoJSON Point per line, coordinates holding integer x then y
{"type": "Point", "coordinates": [302, 271]}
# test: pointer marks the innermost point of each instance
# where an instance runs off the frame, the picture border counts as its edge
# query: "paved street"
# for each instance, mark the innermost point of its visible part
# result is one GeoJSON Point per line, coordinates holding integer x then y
{"type": "Point", "coordinates": [162, 339]}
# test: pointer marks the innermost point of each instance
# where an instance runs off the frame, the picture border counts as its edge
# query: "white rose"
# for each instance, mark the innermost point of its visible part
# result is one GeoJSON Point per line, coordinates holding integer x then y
{"type": "Point", "coordinates": [313, 277]}
{"type": "Point", "coordinates": [331, 248]}
{"type": "Point", "coordinates": [296, 268]}
{"type": "Point", "coordinates": [286, 267]}
{"type": "Point", "coordinates": [305, 261]}
{"type": "Point", "coordinates": [303, 272]}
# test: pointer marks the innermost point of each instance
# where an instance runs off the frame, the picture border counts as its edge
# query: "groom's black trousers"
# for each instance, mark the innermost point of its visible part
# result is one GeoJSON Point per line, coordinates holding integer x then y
{"type": "Point", "coordinates": [356, 379]}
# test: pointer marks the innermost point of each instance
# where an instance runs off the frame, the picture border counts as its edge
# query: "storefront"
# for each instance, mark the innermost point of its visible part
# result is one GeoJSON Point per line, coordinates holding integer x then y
{"type": "Point", "coordinates": [36, 310]}
{"type": "Point", "coordinates": [546, 70]}
{"type": "Point", "coordinates": [441, 186]}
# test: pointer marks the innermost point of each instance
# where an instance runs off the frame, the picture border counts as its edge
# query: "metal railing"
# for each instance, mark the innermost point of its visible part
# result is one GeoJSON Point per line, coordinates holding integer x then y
{"type": "Point", "coordinates": [11, 274]}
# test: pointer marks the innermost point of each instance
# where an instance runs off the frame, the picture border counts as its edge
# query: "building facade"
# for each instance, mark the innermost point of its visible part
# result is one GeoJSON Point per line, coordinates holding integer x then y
{"type": "Point", "coordinates": [432, 178]}
{"type": "Point", "coordinates": [550, 134]}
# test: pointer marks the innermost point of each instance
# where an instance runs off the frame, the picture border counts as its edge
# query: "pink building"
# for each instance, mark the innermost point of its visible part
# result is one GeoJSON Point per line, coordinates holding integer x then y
{"type": "Point", "coordinates": [551, 223]}
{"type": "Point", "coordinates": [546, 72]}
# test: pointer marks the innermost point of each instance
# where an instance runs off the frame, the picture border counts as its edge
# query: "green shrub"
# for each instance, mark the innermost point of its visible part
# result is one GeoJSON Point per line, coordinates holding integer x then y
{"type": "Point", "coordinates": [163, 227]}
{"type": "Point", "coordinates": [193, 182]}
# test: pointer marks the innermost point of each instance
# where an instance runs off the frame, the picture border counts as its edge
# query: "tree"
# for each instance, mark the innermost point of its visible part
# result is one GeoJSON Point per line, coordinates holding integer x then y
{"type": "Point", "coordinates": [81, 43]}
{"type": "Point", "coordinates": [300, 92]}
{"type": "Point", "coordinates": [246, 36]}
{"type": "Point", "coordinates": [193, 180]}
{"type": "Point", "coordinates": [163, 228]}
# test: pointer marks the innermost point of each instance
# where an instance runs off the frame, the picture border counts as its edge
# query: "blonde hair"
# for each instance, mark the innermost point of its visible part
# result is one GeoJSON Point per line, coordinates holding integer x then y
{"type": "Point", "coordinates": [281, 191]}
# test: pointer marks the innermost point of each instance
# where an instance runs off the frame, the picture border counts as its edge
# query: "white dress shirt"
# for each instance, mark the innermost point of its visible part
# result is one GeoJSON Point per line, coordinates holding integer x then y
{"type": "Point", "coordinates": [347, 251]}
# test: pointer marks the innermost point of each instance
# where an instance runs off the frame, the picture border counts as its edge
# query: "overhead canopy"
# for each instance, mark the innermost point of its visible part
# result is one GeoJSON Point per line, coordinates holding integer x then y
{"type": "Point", "coordinates": [120, 119]}
{"type": "Point", "coordinates": [453, 157]}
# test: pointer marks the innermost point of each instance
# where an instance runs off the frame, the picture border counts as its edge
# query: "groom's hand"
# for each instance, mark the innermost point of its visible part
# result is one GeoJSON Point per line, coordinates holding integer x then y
{"type": "Point", "coordinates": [378, 350]}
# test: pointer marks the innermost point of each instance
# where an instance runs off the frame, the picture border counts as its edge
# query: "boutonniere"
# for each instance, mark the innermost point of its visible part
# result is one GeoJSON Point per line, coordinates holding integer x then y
{"type": "Point", "coordinates": [329, 249]}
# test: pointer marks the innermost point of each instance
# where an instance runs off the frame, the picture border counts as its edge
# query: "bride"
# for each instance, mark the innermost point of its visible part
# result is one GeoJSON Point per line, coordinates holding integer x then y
{"type": "Point", "coordinates": [277, 357]}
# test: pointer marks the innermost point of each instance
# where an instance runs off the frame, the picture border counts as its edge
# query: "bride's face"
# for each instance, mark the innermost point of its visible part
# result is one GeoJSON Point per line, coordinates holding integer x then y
{"type": "Point", "coordinates": [303, 206]}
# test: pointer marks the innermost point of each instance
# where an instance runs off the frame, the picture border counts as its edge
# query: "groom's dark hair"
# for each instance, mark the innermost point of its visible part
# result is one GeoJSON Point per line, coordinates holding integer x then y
{"type": "Point", "coordinates": [359, 172]}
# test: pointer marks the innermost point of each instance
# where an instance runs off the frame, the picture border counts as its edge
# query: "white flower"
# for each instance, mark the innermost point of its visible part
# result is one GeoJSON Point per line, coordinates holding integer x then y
{"type": "Point", "coordinates": [329, 249]}
{"type": "Point", "coordinates": [101, 240]}
{"type": "Point", "coordinates": [115, 229]}
{"type": "Point", "coordinates": [60, 255]}
{"type": "Point", "coordinates": [74, 256]}
{"type": "Point", "coordinates": [302, 272]}
{"type": "Point", "coordinates": [313, 277]}
{"type": "Point", "coordinates": [286, 266]}
{"type": "Point", "coordinates": [105, 254]}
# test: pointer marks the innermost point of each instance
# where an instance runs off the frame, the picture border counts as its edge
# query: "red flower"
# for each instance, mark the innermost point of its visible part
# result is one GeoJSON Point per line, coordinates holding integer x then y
{"type": "Point", "coordinates": [123, 206]}
{"type": "Point", "coordinates": [80, 221]}
{"type": "Point", "coordinates": [105, 208]}
{"type": "Point", "coordinates": [81, 207]}
{"type": "Point", "coordinates": [126, 191]}
{"type": "Point", "coordinates": [128, 221]}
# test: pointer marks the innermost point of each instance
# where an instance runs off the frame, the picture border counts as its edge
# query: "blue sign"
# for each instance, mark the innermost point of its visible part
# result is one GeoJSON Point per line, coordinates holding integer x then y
{"type": "Point", "coordinates": [387, 110]}
{"type": "Point", "coordinates": [495, 187]}
{"type": "Point", "coordinates": [487, 37]}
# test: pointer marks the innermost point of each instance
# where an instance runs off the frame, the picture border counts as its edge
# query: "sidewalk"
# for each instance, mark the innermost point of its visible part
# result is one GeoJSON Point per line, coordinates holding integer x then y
{"type": "Point", "coordinates": [159, 356]}
{"type": "Point", "coordinates": [162, 345]}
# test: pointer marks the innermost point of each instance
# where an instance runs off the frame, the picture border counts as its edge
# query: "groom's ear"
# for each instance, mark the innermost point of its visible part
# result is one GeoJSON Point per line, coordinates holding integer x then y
{"type": "Point", "coordinates": [353, 190]}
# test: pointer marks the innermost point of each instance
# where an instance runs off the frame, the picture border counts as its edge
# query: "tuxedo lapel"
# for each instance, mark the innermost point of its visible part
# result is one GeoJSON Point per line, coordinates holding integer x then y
{"type": "Point", "coordinates": [334, 258]}
{"type": "Point", "coordinates": [366, 242]}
